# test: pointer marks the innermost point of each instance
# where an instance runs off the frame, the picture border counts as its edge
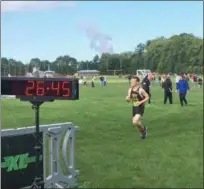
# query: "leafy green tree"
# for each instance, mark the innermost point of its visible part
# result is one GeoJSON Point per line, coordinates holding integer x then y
{"type": "Point", "coordinates": [178, 53]}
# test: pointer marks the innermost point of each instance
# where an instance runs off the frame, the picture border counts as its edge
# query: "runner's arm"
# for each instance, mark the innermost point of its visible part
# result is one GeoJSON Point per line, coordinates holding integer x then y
{"type": "Point", "coordinates": [128, 96]}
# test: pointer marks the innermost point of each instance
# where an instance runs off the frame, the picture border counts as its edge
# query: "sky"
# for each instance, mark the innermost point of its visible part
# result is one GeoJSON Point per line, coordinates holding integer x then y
{"type": "Point", "coordinates": [83, 29]}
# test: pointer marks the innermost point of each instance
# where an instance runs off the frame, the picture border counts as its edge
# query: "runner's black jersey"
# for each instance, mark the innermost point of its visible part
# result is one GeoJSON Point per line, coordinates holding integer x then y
{"type": "Point", "coordinates": [135, 96]}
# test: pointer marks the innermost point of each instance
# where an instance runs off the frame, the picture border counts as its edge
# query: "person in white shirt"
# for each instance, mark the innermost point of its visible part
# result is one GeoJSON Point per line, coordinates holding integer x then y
{"type": "Point", "coordinates": [105, 81]}
{"type": "Point", "coordinates": [92, 81]}
{"type": "Point", "coordinates": [84, 80]}
{"type": "Point", "coordinates": [178, 77]}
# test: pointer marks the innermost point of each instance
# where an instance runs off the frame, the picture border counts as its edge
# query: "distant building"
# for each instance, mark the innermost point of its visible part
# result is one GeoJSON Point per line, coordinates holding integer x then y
{"type": "Point", "coordinates": [88, 73]}
{"type": "Point", "coordinates": [49, 73]}
{"type": "Point", "coordinates": [37, 73]}
{"type": "Point", "coordinates": [28, 74]}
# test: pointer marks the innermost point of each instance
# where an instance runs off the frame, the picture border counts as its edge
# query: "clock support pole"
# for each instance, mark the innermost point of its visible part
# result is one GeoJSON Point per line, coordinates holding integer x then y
{"type": "Point", "coordinates": [38, 182]}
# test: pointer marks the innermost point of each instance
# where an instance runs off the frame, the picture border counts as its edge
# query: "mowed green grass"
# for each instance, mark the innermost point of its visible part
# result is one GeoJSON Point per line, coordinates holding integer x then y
{"type": "Point", "coordinates": [109, 152]}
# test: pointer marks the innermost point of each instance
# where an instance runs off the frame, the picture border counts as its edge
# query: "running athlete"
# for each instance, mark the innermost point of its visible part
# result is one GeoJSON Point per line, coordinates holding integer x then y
{"type": "Point", "coordinates": [138, 97]}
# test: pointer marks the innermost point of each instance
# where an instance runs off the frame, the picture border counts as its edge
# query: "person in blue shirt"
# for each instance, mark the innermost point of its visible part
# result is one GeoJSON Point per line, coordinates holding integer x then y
{"type": "Point", "coordinates": [182, 89]}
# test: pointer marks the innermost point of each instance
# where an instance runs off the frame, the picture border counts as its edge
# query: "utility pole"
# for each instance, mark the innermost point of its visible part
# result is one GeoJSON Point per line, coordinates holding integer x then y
{"type": "Point", "coordinates": [48, 67]}
{"type": "Point", "coordinates": [9, 68]}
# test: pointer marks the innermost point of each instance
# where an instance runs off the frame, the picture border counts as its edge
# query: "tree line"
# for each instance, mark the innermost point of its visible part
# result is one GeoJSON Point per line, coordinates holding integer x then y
{"type": "Point", "coordinates": [176, 54]}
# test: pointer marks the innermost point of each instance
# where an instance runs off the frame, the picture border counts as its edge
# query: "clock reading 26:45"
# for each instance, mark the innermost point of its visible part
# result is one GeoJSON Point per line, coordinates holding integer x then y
{"type": "Point", "coordinates": [48, 88]}
{"type": "Point", "coordinates": [43, 89]}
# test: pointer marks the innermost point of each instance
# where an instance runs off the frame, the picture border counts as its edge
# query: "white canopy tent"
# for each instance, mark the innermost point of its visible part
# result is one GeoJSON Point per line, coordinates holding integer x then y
{"type": "Point", "coordinates": [143, 73]}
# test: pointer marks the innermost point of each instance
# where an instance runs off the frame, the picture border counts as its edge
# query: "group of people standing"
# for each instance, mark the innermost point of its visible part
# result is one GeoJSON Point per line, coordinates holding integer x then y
{"type": "Point", "coordinates": [103, 81]}
{"type": "Point", "coordinates": [182, 87]}
{"type": "Point", "coordinates": [196, 81]}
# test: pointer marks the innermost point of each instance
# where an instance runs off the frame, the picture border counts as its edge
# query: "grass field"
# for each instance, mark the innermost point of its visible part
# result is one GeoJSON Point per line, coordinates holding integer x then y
{"type": "Point", "coordinates": [109, 152]}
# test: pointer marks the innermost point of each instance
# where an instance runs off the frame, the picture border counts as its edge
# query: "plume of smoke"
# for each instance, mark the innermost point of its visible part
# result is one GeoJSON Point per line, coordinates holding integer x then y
{"type": "Point", "coordinates": [99, 41]}
{"type": "Point", "coordinates": [14, 6]}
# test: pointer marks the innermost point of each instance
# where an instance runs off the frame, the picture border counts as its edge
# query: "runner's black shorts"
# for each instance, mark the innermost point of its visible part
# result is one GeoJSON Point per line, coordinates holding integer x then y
{"type": "Point", "coordinates": [138, 110]}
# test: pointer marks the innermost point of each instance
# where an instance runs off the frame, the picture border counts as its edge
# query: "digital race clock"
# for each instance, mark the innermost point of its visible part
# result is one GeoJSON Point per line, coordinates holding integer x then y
{"type": "Point", "coordinates": [40, 88]}
{"type": "Point", "coordinates": [37, 91]}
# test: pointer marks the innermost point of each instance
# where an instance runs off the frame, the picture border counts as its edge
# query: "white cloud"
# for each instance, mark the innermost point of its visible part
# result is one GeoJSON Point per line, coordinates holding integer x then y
{"type": "Point", "coordinates": [17, 6]}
